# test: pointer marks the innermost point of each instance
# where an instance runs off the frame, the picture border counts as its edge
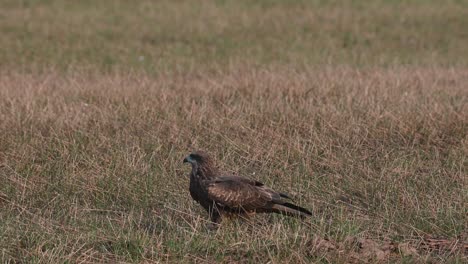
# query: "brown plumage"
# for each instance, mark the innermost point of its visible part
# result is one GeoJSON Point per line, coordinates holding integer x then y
{"type": "Point", "coordinates": [222, 194]}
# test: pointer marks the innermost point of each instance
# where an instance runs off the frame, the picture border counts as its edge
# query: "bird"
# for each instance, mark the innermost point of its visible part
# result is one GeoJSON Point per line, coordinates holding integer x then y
{"type": "Point", "coordinates": [223, 194]}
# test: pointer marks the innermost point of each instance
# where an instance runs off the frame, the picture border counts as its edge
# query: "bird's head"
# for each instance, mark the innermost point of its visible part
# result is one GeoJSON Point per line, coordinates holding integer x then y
{"type": "Point", "coordinates": [197, 158]}
{"type": "Point", "coordinates": [200, 160]}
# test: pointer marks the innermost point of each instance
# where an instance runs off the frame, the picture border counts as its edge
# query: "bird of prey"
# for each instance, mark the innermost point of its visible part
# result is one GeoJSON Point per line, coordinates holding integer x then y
{"type": "Point", "coordinates": [224, 194]}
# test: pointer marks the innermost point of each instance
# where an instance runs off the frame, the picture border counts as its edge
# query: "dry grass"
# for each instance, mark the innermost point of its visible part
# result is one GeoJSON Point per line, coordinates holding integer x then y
{"type": "Point", "coordinates": [358, 109]}
{"type": "Point", "coordinates": [91, 164]}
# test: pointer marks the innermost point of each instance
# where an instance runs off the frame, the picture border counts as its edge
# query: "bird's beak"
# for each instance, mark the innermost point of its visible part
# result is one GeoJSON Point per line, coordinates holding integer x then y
{"type": "Point", "coordinates": [186, 160]}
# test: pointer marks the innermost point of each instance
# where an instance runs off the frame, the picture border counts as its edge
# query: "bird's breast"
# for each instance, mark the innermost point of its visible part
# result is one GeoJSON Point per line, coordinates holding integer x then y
{"type": "Point", "coordinates": [197, 191]}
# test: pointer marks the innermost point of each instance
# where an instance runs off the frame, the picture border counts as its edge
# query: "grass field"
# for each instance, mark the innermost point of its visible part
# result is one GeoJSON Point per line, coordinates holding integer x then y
{"type": "Point", "coordinates": [358, 110]}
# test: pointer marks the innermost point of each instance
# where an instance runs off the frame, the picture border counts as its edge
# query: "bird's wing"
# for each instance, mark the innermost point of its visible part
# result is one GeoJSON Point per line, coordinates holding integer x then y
{"type": "Point", "coordinates": [239, 193]}
{"type": "Point", "coordinates": [239, 179]}
{"type": "Point", "coordinates": [256, 183]}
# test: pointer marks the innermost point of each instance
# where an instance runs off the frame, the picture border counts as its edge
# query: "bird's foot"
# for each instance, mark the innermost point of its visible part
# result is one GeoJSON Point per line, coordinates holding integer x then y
{"type": "Point", "coordinates": [213, 226]}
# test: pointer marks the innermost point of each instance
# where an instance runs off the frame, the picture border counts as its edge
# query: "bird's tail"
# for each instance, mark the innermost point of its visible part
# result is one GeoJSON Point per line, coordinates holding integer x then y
{"type": "Point", "coordinates": [291, 210]}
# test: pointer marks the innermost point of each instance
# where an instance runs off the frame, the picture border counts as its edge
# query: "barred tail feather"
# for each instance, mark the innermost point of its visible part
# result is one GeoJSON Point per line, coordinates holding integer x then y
{"type": "Point", "coordinates": [291, 210]}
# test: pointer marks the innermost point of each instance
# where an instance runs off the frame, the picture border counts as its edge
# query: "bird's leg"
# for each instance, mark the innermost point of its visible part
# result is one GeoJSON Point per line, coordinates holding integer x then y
{"type": "Point", "coordinates": [215, 218]}
{"type": "Point", "coordinates": [213, 226]}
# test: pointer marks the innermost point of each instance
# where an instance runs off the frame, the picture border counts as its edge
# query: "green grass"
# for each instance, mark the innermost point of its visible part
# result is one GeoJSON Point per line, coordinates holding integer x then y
{"type": "Point", "coordinates": [185, 35]}
{"type": "Point", "coordinates": [357, 109]}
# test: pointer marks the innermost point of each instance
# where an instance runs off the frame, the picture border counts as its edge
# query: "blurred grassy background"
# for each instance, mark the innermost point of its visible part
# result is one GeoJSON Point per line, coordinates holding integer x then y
{"type": "Point", "coordinates": [168, 35]}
